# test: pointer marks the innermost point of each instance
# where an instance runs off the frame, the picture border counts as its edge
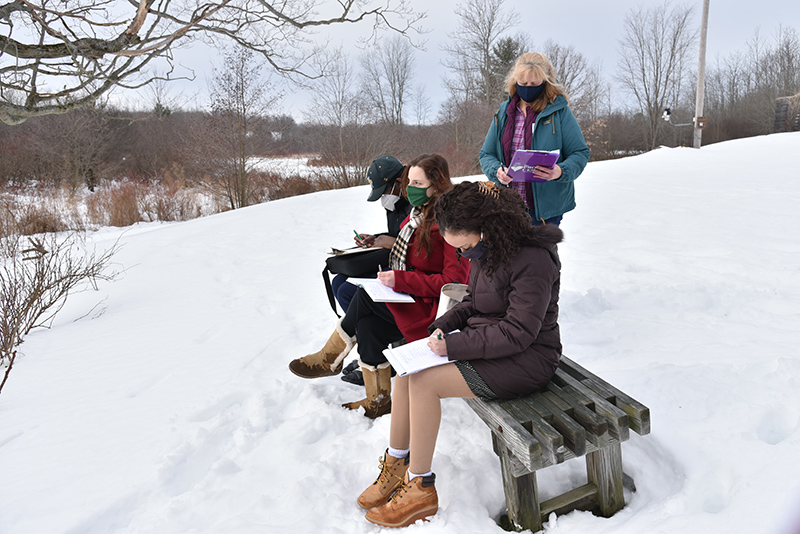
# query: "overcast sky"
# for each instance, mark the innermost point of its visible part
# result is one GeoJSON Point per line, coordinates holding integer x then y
{"type": "Point", "coordinates": [593, 28]}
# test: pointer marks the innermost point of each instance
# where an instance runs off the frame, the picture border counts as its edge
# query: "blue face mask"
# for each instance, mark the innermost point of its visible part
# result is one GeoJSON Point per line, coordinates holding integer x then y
{"type": "Point", "coordinates": [478, 252]}
{"type": "Point", "coordinates": [529, 93]}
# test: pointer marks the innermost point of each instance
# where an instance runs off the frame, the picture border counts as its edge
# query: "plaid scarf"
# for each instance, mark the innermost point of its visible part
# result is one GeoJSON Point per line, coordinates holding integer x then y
{"type": "Point", "coordinates": [397, 256]}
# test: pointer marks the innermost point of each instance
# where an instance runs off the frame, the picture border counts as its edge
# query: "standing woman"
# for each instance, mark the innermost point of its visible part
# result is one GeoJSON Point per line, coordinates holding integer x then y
{"type": "Point", "coordinates": [508, 344]}
{"type": "Point", "coordinates": [421, 262]}
{"type": "Point", "coordinates": [536, 117]}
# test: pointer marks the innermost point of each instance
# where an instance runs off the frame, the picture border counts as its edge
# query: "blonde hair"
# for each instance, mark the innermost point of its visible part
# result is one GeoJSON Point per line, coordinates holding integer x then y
{"type": "Point", "coordinates": [541, 67]}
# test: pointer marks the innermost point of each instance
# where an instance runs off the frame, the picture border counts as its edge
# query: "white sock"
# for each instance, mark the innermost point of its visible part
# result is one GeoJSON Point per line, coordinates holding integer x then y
{"type": "Point", "coordinates": [399, 453]}
{"type": "Point", "coordinates": [412, 476]}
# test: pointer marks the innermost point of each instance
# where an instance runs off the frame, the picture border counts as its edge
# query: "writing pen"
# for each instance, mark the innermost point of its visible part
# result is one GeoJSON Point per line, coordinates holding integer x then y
{"type": "Point", "coordinates": [439, 336]}
{"type": "Point", "coordinates": [358, 236]}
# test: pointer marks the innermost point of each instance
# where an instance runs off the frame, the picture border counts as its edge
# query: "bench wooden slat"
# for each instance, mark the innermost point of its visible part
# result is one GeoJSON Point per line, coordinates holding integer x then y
{"type": "Point", "coordinates": [582, 498]}
{"type": "Point", "coordinates": [520, 469]}
{"type": "Point", "coordinates": [577, 414]}
{"type": "Point", "coordinates": [518, 439]}
{"type": "Point", "coordinates": [549, 438]}
{"type": "Point", "coordinates": [638, 413]}
{"type": "Point", "coordinates": [574, 434]}
{"type": "Point", "coordinates": [617, 419]}
{"type": "Point", "coordinates": [596, 427]}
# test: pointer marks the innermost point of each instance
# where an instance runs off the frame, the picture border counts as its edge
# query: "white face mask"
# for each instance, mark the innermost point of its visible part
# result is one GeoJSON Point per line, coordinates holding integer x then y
{"type": "Point", "coordinates": [388, 201]}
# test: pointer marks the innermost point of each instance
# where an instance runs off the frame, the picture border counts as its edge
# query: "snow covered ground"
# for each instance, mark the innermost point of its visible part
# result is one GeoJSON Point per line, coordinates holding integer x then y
{"type": "Point", "coordinates": [169, 408]}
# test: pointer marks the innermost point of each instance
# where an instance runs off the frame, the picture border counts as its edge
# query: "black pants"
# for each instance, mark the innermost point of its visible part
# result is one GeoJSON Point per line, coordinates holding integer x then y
{"type": "Point", "coordinates": [373, 325]}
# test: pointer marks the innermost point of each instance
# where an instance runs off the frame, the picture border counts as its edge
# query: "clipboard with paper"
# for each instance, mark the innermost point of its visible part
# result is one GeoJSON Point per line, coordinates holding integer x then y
{"type": "Point", "coordinates": [524, 161]}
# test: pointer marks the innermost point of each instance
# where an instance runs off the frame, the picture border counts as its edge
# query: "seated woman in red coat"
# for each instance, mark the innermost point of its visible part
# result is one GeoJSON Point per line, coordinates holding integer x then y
{"type": "Point", "coordinates": [508, 344]}
{"type": "Point", "coordinates": [421, 262]}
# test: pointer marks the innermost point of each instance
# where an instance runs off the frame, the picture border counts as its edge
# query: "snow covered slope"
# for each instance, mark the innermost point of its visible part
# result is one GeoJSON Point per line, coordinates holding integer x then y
{"type": "Point", "coordinates": [169, 408]}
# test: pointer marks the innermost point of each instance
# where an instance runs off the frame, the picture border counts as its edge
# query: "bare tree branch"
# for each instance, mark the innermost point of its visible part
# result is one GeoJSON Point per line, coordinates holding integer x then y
{"type": "Point", "coordinates": [59, 55]}
{"type": "Point", "coordinates": [481, 23]}
{"type": "Point", "coordinates": [654, 58]}
{"type": "Point", "coordinates": [36, 281]}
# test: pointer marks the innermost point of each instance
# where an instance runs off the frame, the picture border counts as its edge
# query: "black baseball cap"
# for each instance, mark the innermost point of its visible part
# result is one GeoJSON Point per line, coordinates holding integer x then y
{"type": "Point", "coordinates": [383, 171]}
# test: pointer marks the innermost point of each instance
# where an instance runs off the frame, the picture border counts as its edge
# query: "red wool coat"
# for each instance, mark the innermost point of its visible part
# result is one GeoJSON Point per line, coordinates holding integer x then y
{"type": "Point", "coordinates": [424, 281]}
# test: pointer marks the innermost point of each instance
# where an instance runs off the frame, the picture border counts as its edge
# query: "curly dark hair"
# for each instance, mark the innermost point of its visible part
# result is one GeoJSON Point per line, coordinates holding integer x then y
{"type": "Point", "coordinates": [498, 214]}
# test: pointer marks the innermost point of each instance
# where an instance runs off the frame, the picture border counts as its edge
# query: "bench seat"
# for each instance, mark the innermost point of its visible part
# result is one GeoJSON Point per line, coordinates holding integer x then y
{"type": "Point", "coordinates": [577, 414]}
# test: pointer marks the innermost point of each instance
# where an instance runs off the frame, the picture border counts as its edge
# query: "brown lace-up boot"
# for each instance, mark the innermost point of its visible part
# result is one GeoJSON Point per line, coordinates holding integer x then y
{"type": "Point", "coordinates": [393, 471]}
{"type": "Point", "coordinates": [414, 500]}
{"type": "Point", "coordinates": [378, 383]}
{"type": "Point", "coordinates": [329, 360]}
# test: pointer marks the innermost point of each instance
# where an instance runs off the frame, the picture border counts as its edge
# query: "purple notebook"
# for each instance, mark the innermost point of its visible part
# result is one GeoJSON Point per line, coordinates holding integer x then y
{"type": "Point", "coordinates": [523, 162]}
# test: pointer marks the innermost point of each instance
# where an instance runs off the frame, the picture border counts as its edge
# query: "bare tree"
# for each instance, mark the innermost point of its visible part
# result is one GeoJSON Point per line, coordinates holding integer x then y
{"type": "Point", "coordinates": [240, 97]}
{"type": "Point", "coordinates": [653, 58]}
{"type": "Point", "coordinates": [422, 105]}
{"type": "Point", "coordinates": [786, 59]}
{"type": "Point", "coordinates": [742, 88]}
{"type": "Point", "coordinates": [58, 56]}
{"type": "Point", "coordinates": [36, 277]}
{"type": "Point", "coordinates": [573, 73]}
{"type": "Point", "coordinates": [344, 140]}
{"type": "Point", "coordinates": [774, 71]}
{"type": "Point", "coordinates": [388, 69]}
{"type": "Point", "coordinates": [481, 23]}
{"type": "Point", "coordinates": [74, 149]}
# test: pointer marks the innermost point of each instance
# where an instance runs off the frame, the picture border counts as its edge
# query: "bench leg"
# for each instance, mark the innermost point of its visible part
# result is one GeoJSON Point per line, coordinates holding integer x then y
{"type": "Point", "coordinates": [522, 494]}
{"type": "Point", "coordinates": [604, 470]}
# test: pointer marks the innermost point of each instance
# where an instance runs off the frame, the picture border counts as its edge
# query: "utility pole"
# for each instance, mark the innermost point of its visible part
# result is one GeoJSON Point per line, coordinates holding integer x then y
{"type": "Point", "coordinates": [699, 119]}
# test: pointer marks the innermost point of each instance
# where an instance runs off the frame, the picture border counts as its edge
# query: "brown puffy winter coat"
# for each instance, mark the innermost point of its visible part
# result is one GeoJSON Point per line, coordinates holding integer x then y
{"type": "Point", "coordinates": [509, 321]}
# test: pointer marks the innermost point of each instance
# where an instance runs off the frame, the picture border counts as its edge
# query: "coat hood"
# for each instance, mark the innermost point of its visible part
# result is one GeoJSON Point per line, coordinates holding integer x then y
{"type": "Point", "coordinates": [547, 235]}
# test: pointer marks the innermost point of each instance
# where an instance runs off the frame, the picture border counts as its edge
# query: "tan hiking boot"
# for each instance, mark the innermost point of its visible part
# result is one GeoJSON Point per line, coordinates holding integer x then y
{"type": "Point", "coordinates": [329, 360]}
{"type": "Point", "coordinates": [393, 472]}
{"type": "Point", "coordinates": [414, 500]}
{"type": "Point", "coordinates": [378, 384]}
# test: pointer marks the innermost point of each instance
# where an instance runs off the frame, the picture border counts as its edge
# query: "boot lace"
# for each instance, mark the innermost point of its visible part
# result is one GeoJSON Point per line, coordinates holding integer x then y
{"type": "Point", "coordinates": [399, 492]}
{"type": "Point", "coordinates": [384, 477]}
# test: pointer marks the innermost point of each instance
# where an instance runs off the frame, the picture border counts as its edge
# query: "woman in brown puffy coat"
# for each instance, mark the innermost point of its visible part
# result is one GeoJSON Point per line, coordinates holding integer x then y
{"type": "Point", "coordinates": [508, 344]}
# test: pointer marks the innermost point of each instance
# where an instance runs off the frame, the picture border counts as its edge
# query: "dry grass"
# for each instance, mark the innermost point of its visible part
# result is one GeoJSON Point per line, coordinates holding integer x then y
{"type": "Point", "coordinates": [172, 199]}
{"type": "Point", "coordinates": [42, 210]}
{"type": "Point", "coordinates": [115, 206]}
{"type": "Point", "coordinates": [275, 187]}
{"type": "Point", "coordinates": [38, 212]}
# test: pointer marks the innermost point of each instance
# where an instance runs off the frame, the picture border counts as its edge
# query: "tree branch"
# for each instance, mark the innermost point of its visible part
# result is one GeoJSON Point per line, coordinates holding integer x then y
{"type": "Point", "coordinates": [74, 51]}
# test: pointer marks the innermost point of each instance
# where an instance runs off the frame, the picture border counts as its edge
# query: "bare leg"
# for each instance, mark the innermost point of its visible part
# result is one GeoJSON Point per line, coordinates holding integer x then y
{"type": "Point", "coordinates": [400, 429]}
{"type": "Point", "coordinates": [425, 391]}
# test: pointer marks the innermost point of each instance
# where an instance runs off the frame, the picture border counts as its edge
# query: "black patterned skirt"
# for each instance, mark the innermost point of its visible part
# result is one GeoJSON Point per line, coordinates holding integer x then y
{"type": "Point", "coordinates": [476, 384]}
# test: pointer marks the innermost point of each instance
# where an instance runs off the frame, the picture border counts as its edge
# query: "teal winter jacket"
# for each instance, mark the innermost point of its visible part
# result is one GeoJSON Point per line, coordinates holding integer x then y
{"type": "Point", "coordinates": [555, 128]}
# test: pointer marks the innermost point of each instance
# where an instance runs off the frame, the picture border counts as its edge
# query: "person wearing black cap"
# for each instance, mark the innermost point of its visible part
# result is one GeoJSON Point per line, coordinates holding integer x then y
{"type": "Point", "coordinates": [383, 176]}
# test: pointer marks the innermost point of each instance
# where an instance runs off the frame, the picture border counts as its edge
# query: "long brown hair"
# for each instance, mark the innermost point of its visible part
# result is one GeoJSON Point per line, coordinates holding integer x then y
{"type": "Point", "coordinates": [437, 171]}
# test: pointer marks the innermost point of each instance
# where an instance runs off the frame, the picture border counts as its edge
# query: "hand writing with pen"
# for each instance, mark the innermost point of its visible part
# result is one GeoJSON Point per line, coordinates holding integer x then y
{"type": "Point", "coordinates": [437, 343]}
{"type": "Point", "coordinates": [386, 277]}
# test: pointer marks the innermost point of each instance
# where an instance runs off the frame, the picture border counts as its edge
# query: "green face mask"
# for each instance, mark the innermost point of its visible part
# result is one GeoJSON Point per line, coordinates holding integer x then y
{"type": "Point", "coordinates": [417, 196]}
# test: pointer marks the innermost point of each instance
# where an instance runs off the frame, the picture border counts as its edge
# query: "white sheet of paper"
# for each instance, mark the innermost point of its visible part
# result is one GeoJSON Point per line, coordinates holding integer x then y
{"type": "Point", "coordinates": [379, 292]}
{"type": "Point", "coordinates": [413, 357]}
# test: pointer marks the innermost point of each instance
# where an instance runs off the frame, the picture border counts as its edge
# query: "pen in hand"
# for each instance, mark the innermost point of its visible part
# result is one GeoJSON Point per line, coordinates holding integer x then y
{"type": "Point", "coordinates": [358, 238]}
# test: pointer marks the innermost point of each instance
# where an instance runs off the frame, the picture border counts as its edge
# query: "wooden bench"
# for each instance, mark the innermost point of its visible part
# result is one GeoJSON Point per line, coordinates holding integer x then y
{"type": "Point", "coordinates": [578, 414]}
